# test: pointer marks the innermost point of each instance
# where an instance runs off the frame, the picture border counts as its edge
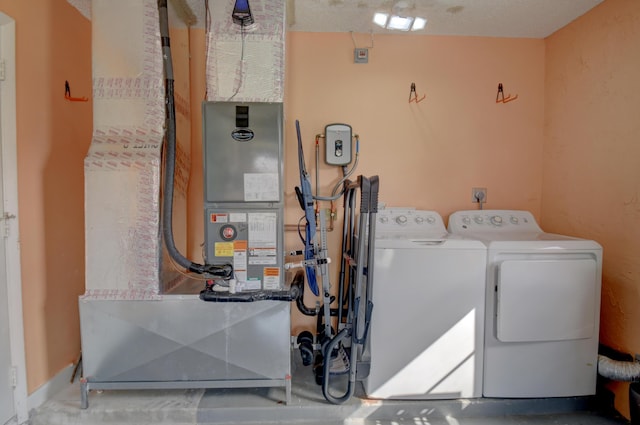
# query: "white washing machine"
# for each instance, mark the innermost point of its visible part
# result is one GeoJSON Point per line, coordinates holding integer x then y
{"type": "Point", "coordinates": [543, 306]}
{"type": "Point", "coordinates": [427, 323]}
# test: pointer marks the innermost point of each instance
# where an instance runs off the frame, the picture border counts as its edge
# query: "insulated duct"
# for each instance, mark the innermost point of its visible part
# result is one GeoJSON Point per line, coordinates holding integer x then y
{"type": "Point", "coordinates": [625, 371]}
{"type": "Point", "coordinates": [618, 370]}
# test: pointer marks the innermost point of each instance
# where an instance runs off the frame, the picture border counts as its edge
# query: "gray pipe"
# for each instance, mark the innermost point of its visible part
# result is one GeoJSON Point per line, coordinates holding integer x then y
{"type": "Point", "coordinates": [618, 370]}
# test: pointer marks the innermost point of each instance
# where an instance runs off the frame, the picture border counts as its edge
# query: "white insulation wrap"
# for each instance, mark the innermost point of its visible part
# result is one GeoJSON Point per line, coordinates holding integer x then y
{"type": "Point", "coordinates": [247, 65]}
{"type": "Point", "coordinates": [618, 370]}
{"type": "Point", "coordinates": [123, 246]}
{"type": "Point", "coordinates": [122, 216]}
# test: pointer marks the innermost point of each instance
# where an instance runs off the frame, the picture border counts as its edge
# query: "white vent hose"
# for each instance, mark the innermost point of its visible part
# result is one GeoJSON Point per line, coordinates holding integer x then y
{"type": "Point", "coordinates": [618, 370]}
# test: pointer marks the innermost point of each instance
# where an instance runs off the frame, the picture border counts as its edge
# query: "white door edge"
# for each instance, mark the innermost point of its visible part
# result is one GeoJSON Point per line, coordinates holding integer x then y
{"type": "Point", "coordinates": [10, 182]}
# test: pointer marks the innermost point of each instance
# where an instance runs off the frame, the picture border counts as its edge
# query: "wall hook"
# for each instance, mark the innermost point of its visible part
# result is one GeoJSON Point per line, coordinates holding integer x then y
{"type": "Point", "coordinates": [500, 96]}
{"type": "Point", "coordinates": [413, 95]}
{"type": "Point", "coordinates": [67, 94]}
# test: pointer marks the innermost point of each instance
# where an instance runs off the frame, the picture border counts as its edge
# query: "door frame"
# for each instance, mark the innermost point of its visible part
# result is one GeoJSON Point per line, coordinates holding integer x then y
{"type": "Point", "coordinates": [10, 200]}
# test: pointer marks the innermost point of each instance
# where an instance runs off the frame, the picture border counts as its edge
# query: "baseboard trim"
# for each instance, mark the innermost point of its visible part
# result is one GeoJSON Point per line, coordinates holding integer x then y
{"type": "Point", "coordinates": [50, 388]}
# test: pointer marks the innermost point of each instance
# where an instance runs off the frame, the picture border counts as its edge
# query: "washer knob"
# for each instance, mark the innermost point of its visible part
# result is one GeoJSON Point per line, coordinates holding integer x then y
{"type": "Point", "coordinates": [383, 219]}
{"type": "Point", "coordinates": [496, 220]}
{"type": "Point", "coordinates": [401, 219]}
{"type": "Point", "coordinates": [419, 219]}
{"type": "Point", "coordinates": [479, 220]}
{"type": "Point", "coordinates": [431, 220]}
{"type": "Point", "coordinates": [466, 220]}
{"type": "Point", "coordinates": [514, 220]}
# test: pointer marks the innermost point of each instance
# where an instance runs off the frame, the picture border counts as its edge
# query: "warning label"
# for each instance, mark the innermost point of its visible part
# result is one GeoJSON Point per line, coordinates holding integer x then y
{"type": "Point", "coordinates": [224, 249]}
{"type": "Point", "coordinates": [219, 218]}
{"type": "Point", "coordinates": [271, 278]}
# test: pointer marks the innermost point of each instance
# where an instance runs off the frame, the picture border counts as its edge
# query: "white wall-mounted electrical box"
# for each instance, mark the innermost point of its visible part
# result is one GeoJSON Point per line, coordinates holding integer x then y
{"type": "Point", "coordinates": [338, 143]}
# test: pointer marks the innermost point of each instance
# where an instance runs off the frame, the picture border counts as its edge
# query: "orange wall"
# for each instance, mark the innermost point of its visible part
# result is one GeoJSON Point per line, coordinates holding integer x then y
{"type": "Point", "coordinates": [591, 173]}
{"type": "Point", "coordinates": [53, 44]}
{"type": "Point", "coordinates": [428, 155]}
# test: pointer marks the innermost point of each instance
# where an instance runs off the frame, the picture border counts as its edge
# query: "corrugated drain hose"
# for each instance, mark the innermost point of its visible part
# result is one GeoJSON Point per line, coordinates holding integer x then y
{"type": "Point", "coordinates": [618, 370]}
{"type": "Point", "coordinates": [223, 270]}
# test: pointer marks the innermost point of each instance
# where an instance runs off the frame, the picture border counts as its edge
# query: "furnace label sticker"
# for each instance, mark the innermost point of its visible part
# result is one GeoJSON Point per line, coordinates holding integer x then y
{"type": "Point", "coordinates": [271, 278]}
{"type": "Point", "coordinates": [263, 238]}
{"type": "Point", "coordinates": [260, 187]}
{"type": "Point", "coordinates": [224, 249]}
{"type": "Point", "coordinates": [251, 284]}
{"type": "Point", "coordinates": [238, 217]}
{"type": "Point", "coordinates": [262, 230]}
{"type": "Point", "coordinates": [263, 256]}
{"type": "Point", "coordinates": [219, 218]}
{"type": "Point", "coordinates": [239, 245]}
{"type": "Point", "coordinates": [240, 257]}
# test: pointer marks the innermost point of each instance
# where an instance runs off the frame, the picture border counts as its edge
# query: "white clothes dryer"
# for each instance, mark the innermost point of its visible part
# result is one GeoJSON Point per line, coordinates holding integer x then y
{"type": "Point", "coordinates": [427, 322]}
{"type": "Point", "coordinates": [542, 306]}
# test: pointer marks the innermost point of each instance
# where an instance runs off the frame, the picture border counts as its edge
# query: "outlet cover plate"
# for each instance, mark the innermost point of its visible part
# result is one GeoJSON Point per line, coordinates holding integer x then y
{"type": "Point", "coordinates": [479, 195]}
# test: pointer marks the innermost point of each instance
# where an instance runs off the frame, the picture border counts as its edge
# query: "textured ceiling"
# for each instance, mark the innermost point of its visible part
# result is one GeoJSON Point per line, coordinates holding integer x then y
{"type": "Point", "coordinates": [489, 18]}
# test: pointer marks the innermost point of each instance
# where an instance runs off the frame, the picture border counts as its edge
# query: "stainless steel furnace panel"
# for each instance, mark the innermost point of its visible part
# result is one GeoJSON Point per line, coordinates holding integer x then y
{"type": "Point", "coordinates": [243, 152]}
{"type": "Point", "coordinates": [243, 191]}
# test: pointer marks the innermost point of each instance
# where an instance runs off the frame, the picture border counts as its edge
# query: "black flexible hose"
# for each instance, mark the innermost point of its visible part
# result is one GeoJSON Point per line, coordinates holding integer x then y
{"type": "Point", "coordinates": [298, 283]}
{"type": "Point", "coordinates": [225, 270]}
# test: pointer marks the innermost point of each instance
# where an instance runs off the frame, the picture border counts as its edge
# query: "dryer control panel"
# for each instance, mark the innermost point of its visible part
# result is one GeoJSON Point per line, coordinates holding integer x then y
{"type": "Point", "coordinates": [492, 221]}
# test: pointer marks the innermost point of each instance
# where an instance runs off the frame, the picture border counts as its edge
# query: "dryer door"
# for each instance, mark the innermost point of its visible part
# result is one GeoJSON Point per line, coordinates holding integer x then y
{"type": "Point", "coordinates": [546, 300]}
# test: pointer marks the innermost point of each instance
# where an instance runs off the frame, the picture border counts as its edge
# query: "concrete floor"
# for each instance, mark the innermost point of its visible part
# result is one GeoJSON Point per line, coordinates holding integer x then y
{"type": "Point", "coordinates": [308, 406]}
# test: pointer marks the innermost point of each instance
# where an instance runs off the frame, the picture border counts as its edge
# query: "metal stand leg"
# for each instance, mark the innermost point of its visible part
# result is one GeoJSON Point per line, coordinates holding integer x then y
{"type": "Point", "coordinates": [84, 394]}
{"type": "Point", "coordinates": [287, 389]}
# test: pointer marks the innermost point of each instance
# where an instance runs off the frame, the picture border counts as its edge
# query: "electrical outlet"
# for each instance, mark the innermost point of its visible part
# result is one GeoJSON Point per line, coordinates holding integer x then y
{"type": "Point", "coordinates": [479, 195]}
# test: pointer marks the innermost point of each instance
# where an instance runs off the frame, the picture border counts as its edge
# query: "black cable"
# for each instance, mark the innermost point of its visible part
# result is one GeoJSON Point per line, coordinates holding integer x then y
{"type": "Point", "coordinates": [302, 238]}
{"type": "Point", "coordinates": [242, 32]}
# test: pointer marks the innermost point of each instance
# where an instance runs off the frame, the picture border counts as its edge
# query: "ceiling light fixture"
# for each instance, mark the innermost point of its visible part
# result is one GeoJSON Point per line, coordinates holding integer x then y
{"type": "Point", "coordinates": [397, 22]}
{"type": "Point", "coordinates": [381, 19]}
{"type": "Point", "coordinates": [418, 24]}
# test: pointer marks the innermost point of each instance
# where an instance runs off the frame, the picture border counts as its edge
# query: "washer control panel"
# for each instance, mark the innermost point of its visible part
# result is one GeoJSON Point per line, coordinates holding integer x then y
{"type": "Point", "coordinates": [407, 222]}
{"type": "Point", "coordinates": [492, 221]}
